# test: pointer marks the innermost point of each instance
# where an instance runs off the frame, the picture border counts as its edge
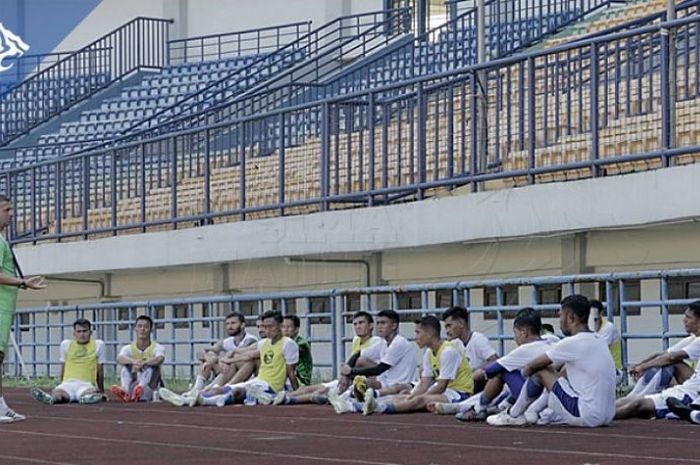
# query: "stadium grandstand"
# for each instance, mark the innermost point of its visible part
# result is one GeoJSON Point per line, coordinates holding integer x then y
{"type": "Point", "coordinates": [185, 159]}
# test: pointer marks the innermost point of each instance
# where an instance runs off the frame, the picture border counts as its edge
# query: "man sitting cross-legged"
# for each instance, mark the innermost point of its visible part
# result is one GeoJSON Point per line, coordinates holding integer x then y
{"type": "Point", "coordinates": [583, 394]}
{"type": "Point", "coordinates": [504, 372]}
{"type": "Point", "coordinates": [445, 376]}
{"type": "Point", "coordinates": [290, 328]}
{"type": "Point", "coordinates": [140, 361]}
{"type": "Point", "coordinates": [278, 356]}
{"type": "Point", "coordinates": [656, 405]}
{"type": "Point", "coordinates": [363, 324]}
{"type": "Point", "coordinates": [82, 375]}
{"type": "Point", "coordinates": [395, 371]}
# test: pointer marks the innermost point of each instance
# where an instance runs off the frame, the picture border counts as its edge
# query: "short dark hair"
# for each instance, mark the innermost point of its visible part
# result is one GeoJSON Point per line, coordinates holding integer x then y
{"type": "Point", "coordinates": [145, 318]}
{"type": "Point", "coordinates": [598, 305]}
{"type": "Point", "coordinates": [579, 305]}
{"type": "Point", "coordinates": [363, 314]}
{"type": "Point", "coordinates": [277, 316]}
{"type": "Point", "coordinates": [695, 308]}
{"type": "Point", "coordinates": [294, 319]}
{"type": "Point", "coordinates": [5, 198]}
{"type": "Point", "coordinates": [391, 314]}
{"type": "Point", "coordinates": [456, 313]}
{"type": "Point", "coordinates": [547, 328]}
{"type": "Point", "coordinates": [529, 318]}
{"type": "Point", "coordinates": [83, 323]}
{"type": "Point", "coordinates": [430, 323]}
{"type": "Point", "coordinates": [237, 315]}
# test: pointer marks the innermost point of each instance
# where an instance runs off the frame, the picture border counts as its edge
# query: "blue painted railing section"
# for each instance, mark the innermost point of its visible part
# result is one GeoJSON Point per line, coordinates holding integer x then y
{"type": "Point", "coordinates": [184, 325]}
{"type": "Point", "coordinates": [555, 111]}
{"type": "Point", "coordinates": [24, 67]}
{"type": "Point", "coordinates": [139, 44]}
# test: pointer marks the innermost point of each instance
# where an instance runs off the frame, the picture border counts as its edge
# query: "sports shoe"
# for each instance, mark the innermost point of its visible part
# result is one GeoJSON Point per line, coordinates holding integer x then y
{"type": "Point", "coordinates": [193, 398]}
{"type": "Point", "coordinates": [359, 387]}
{"type": "Point", "coordinates": [532, 418]}
{"type": "Point", "coordinates": [10, 416]}
{"type": "Point", "coordinates": [445, 408]}
{"type": "Point", "coordinates": [261, 396]}
{"type": "Point", "coordinates": [41, 396]}
{"type": "Point", "coordinates": [340, 405]}
{"type": "Point", "coordinates": [90, 398]}
{"type": "Point", "coordinates": [136, 395]}
{"type": "Point", "coordinates": [280, 398]}
{"type": "Point", "coordinates": [171, 398]}
{"type": "Point", "coordinates": [120, 393]}
{"type": "Point", "coordinates": [683, 411]}
{"type": "Point", "coordinates": [504, 419]}
{"type": "Point", "coordinates": [472, 415]}
{"type": "Point", "coordinates": [371, 405]}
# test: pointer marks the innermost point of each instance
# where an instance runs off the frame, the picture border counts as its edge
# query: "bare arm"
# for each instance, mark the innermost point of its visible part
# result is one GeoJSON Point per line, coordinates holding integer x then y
{"type": "Point", "coordinates": [210, 353]}
{"type": "Point", "coordinates": [100, 378]}
{"type": "Point", "coordinates": [33, 282]}
{"type": "Point", "coordinates": [536, 365]}
{"type": "Point", "coordinates": [292, 376]}
{"type": "Point", "coordinates": [438, 387]}
{"type": "Point", "coordinates": [663, 359]}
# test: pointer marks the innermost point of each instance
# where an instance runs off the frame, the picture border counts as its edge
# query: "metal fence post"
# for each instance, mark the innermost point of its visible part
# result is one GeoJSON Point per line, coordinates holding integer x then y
{"type": "Point", "coordinates": [595, 123]}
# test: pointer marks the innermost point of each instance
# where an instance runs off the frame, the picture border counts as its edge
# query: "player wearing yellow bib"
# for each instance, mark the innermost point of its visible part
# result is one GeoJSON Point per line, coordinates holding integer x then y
{"type": "Point", "coordinates": [278, 356]}
{"type": "Point", "coordinates": [446, 375]}
{"type": "Point", "coordinates": [82, 378]}
{"type": "Point", "coordinates": [363, 324]}
{"type": "Point", "coordinates": [140, 361]}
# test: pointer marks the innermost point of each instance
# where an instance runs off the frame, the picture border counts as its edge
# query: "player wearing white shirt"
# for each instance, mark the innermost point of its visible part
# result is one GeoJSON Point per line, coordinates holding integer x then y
{"type": "Point", "coordinates": [655, 405]}
{"type": "Point", "coordinates": [140, 361]}
{"type": "Point", "coordinates": [395, 371]}
{"type": "Point", "coordinates": [504, 372]}
{"type": "Point", "coordinates": [474, 345]}
{"type": "Point", "coordinates": [445, 375]}
{"type": "Point", "coordinates": [585, 396]}
{"type": "Point", "coordinates": [82, 375]}
{"type": "Point", "coordinates": [363, 325]}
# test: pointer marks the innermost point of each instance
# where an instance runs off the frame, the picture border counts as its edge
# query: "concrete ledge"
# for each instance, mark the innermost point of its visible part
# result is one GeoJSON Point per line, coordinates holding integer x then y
{"type": "Point", "coordinates": [633, 200]}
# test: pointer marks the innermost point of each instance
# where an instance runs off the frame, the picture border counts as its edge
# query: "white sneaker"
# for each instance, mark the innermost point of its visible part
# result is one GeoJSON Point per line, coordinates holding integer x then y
{"type": "Point", "coordinates": [532, 418]}
{"type": "Point", "coordinates": [340, 405]}
{"type": "Point", "coordinates": [280, 398]}
{"type": "Point", "coordinates": [171, 398]}
{"type": "Point", "coordinates": [10, 416]}
{"type": "Point", "coordinates": [371, 405]}
{"type": "Point", "coordinates": [504, 419]}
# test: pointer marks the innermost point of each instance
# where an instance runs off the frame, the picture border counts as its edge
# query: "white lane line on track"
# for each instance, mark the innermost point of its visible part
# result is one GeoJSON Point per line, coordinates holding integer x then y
{"type": "Point", "coordinates": [30, 460]}
{"type": "Point", "coordinates": [450, 444]}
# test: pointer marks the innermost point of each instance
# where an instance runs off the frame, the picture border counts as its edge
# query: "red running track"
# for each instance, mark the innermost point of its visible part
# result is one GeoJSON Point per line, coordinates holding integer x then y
{"type": "Point", "coordinates": [159, 434]}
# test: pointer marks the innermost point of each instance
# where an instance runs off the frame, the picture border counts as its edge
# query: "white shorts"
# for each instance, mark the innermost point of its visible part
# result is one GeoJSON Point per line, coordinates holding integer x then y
{"type": "Point", "coordinates": [259, 385]}
{"type": "Point", "coordinates": [564, 405]}
{"type": "Point", "coordinates": [75, 388]}
{"type": "Point", "coordinates": [455, 397]}
{"type": "Point", "coordinates": [684, 394]}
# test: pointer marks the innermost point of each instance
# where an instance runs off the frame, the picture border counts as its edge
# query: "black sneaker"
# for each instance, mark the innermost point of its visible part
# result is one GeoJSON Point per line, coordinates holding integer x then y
{"type": "Point", "coordinates": [679, 408]}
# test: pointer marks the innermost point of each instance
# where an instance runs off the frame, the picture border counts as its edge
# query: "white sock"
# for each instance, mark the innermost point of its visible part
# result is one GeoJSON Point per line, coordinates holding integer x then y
{"type": "Point", "coordinates": [218, 400]}
{"type": "Point", "coordinates": [199, 383]}
{"type": "Point", "coordinates": [144, 378]}
{"type": "Point", "coordinates": [540, 404]}
{"type": "Point", "coordinates": [3, 405]}
{"type": "Point", "coordinates": [125, 377]}
{"type": "Point", "coordinates": [695, 416]}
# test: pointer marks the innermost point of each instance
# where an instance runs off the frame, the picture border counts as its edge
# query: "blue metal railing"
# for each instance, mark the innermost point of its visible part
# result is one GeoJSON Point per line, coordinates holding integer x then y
{"type": "Point", "coordinates": [185, 324]}
{"type": "Point", "coordinates": [139, 44]}
{"type": "Point", "coordinates": [551, 111]}
{"type": "Point", "coordinates": [25, 66]}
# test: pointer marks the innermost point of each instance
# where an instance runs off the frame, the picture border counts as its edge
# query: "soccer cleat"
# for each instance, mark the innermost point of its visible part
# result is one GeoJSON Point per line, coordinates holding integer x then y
{"type": "Point", "coordinates": [683, 411]}
{"type": "Point", "coordinates": [280, 398]}
{"type": "Point", "coordinates": [90, 398]}
{"type": "Point", "coordinates": [171, 398]}
{"type": "Point", "coordinates": [445, 408]}
{"type": "Point", "coordinates": [136, 395]}
{"type": "Point", "coordinates": [10, 416]}
{"type": "Point", "coordinates": [504, 419]}
{"type": "Point", "coordinates": [261, 396]}
{"type": "Point", "coordinates": [359, 387]}
{"type": "Point", "coordinates": [120, 393]}
{"type": "Point", "coordinates": [371, 405]}
{"type": "Point", "coordinates": [41, 396]}
{"type": "Point", "coordinates": [340, 405]}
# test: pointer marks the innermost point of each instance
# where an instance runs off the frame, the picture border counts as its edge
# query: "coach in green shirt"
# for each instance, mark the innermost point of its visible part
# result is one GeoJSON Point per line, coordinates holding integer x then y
{"type": "Point", "coordinates": [305, 367]}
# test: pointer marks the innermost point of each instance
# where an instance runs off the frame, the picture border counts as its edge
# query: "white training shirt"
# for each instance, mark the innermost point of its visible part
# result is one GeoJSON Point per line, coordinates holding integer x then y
{"type": "Point", "coordinates": [590, 370]}
{"type": "Point", "coordinates": [517, 358]}
{"type": "Point", "coordinates": [450, 361]}
{"type": "Point", "coordinates": [229, 344]}
{"type": "Point", "coordinates": [99, 347]}
{"type": "Point", "coordinates": [125, 351]}
{"type": "Point", "coordinates": [477, 350]}
{"type": "Point", "coordinates": [290, 350]}
{"type": "Point", "coordinates": [693, 351]}
{"type": "Point", "coordinates": [682, 344]}
{"type": "Point", "coordinates": [400, 355]}
{"type": "Point", "coordinates": [609, 333]}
